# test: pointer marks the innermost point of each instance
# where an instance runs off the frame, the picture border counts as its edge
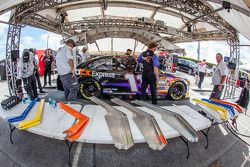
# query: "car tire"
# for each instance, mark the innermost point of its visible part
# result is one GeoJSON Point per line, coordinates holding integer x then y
{"type": "Point", "coordinates": [89, 88]}
{"type": "Point", "coordinates": [190, 71]}
{"type": "Point", "coordinates": [177, 91]}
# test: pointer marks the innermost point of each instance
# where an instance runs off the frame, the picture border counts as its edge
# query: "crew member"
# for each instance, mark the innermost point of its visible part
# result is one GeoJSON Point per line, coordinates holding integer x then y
{"type": "Point", "coordinates": [25, 71]}
{"type": "Point", "coordinates": [150, 74]}
{"type": "Point", "coordinates": [85, 55]}
{"type": "Point", "coordinates": [48, 60]}
{"type": "Point", "coordinates": [36, 69]}
{"type": "Point", "coordinates": [66, 70]}
{"type": "Point", "coordinates": [202, 68]}
{"type": "Point", "coordinates": [130, 61]}
{"type": "Point", "coordinates": [219, 77]}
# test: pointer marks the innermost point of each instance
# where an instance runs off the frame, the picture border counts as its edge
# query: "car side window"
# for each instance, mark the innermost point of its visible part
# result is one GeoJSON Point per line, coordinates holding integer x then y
{"type": "Point", "coordinates": [185, 63]}
{"type": "Point", "coordinates": [101, 64]}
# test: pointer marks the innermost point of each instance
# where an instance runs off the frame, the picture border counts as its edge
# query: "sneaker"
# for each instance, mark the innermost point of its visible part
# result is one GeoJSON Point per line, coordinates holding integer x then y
{"type": "Point", "coordinates": [50, 85]}
{"type": "Point", "coordinates": [44, 85]}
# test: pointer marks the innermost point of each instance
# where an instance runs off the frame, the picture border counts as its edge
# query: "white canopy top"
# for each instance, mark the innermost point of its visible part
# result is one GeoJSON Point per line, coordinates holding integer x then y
{"type": "Point", "coordinates": [238, 16]}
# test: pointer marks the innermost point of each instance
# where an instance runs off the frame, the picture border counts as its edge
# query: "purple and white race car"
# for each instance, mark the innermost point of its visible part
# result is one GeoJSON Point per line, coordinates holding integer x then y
{"type": "Point", "coordinates": [107, 75]}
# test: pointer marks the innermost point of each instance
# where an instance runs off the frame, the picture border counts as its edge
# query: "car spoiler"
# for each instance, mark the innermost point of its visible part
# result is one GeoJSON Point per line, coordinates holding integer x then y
{"type": "Point", "coordinates": [22, 116]}
{"type": "Point", "coordinates": [236, 106]}
{"type": "Point", "coordinates": [75, 131]}
{"type": "Point", "coordinates": [176, 121]}
{"type": "Point", "coordinates": [36, 120]}
{"type": "Point", "coordinates": [118, 125]}
{"type": "Point", "coordinates": [222, 111]}
{"type": "Point", "coordinates": [228, 107]}
{"type": "Point", "coordinates": [147, 125]}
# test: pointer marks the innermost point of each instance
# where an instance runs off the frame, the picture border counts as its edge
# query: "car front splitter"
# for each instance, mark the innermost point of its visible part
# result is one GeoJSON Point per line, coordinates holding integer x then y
{"type": "Point", "coordinates": [176, 121]}
{"type": "Point", "coordinates": [118, 125]}
{"type": "Point", "coordinates": [147, 125]}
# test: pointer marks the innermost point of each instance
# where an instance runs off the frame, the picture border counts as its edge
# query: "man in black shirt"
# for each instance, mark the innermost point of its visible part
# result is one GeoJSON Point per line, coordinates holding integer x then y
{"type": "Point", "coordinates": [36, 69]}
{"type": "Point", "coordinates": [150, 74]}
{"type": "Point", "coordinates": [48, 59]}
{"type": "Point", "coordinates": [129, 62]}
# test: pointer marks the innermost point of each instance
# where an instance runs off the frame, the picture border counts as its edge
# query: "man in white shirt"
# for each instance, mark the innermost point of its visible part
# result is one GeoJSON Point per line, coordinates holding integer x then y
{"type": "Point", "coordinates": [66, 70]}
{"type": "Point", "coordinates": [202, 68]}
{"type": "Point", "coordinates": [85, 55]}
{"type": "Point", "coordinates": [25, 71]}
{"type": "Point", "coordinates": [219, 77]}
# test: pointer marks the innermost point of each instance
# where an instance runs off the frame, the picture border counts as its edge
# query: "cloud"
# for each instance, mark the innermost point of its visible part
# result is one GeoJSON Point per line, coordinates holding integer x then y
{"type": "Point", "coordinates": [3, 34]}
{"type": "Point", "coordinates": [27, 40]}
{"type": "Point", "coordinates": [54, 40]}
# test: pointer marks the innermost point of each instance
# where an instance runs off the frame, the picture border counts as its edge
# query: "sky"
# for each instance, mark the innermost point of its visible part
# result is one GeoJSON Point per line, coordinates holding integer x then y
{"type": "Point", "coordinates": [37, 38]}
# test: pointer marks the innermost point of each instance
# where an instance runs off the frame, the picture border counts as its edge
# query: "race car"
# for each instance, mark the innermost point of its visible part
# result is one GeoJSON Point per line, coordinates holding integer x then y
{"type": "Point", "coordinates": [108, 75]}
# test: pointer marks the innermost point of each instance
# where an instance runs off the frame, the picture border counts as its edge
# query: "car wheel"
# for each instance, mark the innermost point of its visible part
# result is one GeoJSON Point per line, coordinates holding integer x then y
{"type": "Point", "coordinates": [177, 91]}
{"type": "Point", "coordinates": [190, 71]}
{"type": "Point", "coordinates": [89, 88]}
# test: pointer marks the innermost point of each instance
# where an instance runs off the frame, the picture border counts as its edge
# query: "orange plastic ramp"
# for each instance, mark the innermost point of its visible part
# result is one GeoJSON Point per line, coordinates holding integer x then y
{"type": "Point", "coordinates": [236, 106]}
{"type": "Point", "coordinates": [75, 131]}
{"type": "Point", "coordinates": [71, 111]}
{"type": "Point", "coordinates": [76, 135]}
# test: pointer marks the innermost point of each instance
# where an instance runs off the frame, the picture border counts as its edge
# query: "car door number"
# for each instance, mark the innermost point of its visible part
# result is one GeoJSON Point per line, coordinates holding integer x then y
{"type": "Point", "coordinates": [133, 81]}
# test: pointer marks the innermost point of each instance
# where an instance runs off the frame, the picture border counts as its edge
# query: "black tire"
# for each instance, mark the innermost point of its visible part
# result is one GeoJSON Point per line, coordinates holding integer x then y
{"type": "Point", "coordinates": [177, 91]}
{"type": "Point", "coordinates": [89, 88]}
{"type": "Point", "coordinates": [190, 71]}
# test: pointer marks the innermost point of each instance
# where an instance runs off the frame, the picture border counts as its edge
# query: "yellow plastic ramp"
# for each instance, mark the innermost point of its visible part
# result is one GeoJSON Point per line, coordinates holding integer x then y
{"type": "Point", "coordinates": [221, 110]}
{"type": "Point", "coordinates": [36, 120]}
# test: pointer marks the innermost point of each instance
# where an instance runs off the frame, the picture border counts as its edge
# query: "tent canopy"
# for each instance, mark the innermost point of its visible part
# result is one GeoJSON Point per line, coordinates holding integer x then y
{"type": "Point", "coordinates": [168, 19]}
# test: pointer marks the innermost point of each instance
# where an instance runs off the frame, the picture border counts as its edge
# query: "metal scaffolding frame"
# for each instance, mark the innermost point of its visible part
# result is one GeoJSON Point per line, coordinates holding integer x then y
{"type": "Point", "coordinates": [27, 13]}
{"type": "Point", "coordinates": [12, 44]}
{"type": "Point", "coordinates": [231, 82]}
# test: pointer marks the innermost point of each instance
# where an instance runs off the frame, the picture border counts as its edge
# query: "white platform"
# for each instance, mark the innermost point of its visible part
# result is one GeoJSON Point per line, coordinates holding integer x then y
{"type": "Point", "coordinates": [55, 121]}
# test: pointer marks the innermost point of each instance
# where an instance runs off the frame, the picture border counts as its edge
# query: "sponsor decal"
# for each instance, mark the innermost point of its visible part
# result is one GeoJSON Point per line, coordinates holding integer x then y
{"type": "Point", "coordinates": [84, 72]}
{"type": "Point", "coordinates": [102, 74]}
{"type": "Point", "coordinates": [88, 73]}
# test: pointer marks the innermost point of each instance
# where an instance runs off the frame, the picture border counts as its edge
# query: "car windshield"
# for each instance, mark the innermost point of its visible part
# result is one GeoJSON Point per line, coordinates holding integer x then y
{"type": "Point", "coordinates": [192, 64]}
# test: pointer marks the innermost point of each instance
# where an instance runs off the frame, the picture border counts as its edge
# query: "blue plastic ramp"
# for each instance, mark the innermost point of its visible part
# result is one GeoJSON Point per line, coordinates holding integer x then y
{"type": "Point", "coordinates": [24, 114]}
{"type": "Point", "coordinates": [229, 108]}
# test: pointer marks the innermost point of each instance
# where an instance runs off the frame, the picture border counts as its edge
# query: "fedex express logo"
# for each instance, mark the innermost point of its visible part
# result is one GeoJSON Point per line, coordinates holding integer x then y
{"type": "Point", "coordinates": [88, 73]}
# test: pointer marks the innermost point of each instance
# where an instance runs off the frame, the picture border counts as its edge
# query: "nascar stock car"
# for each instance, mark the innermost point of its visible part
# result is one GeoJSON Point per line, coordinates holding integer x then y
{"type": "Point", "coordinates": [106, 75]}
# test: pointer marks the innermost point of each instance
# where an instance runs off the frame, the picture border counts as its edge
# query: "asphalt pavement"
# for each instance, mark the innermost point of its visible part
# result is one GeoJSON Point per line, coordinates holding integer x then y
{"type": "Point", "coordinates": [31, 150]}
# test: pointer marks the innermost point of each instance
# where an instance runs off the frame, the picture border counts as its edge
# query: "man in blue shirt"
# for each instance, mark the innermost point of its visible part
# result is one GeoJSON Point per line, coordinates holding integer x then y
{"type": "Point", "coordinates": [150, 74]}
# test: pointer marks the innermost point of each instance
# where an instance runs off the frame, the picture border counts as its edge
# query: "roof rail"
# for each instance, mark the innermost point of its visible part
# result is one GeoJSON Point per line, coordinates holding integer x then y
{"type": "Point", "coordinates": [221, 110]}
{"type": "Point", "coordinates": [75, 131]}
{"type": "Point", "coordinates": [176, 121]}
{"type": "Point", "coordinates": [147, 125]}
{"type": "Point", "coordinates": [118, 125]}
{"type": "Point", "coordinates": [36, 120]}
{"type": "Point", "coordinates": [24, 114]}
{"type": "Point", "coordinates": [229, 108]}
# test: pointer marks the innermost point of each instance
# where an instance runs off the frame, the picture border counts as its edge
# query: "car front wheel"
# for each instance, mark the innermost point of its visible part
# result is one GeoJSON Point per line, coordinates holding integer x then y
{"type": "Point", "coordinates": [89, 88]}
{"type": "Point", "coordinates": [177, 91]}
